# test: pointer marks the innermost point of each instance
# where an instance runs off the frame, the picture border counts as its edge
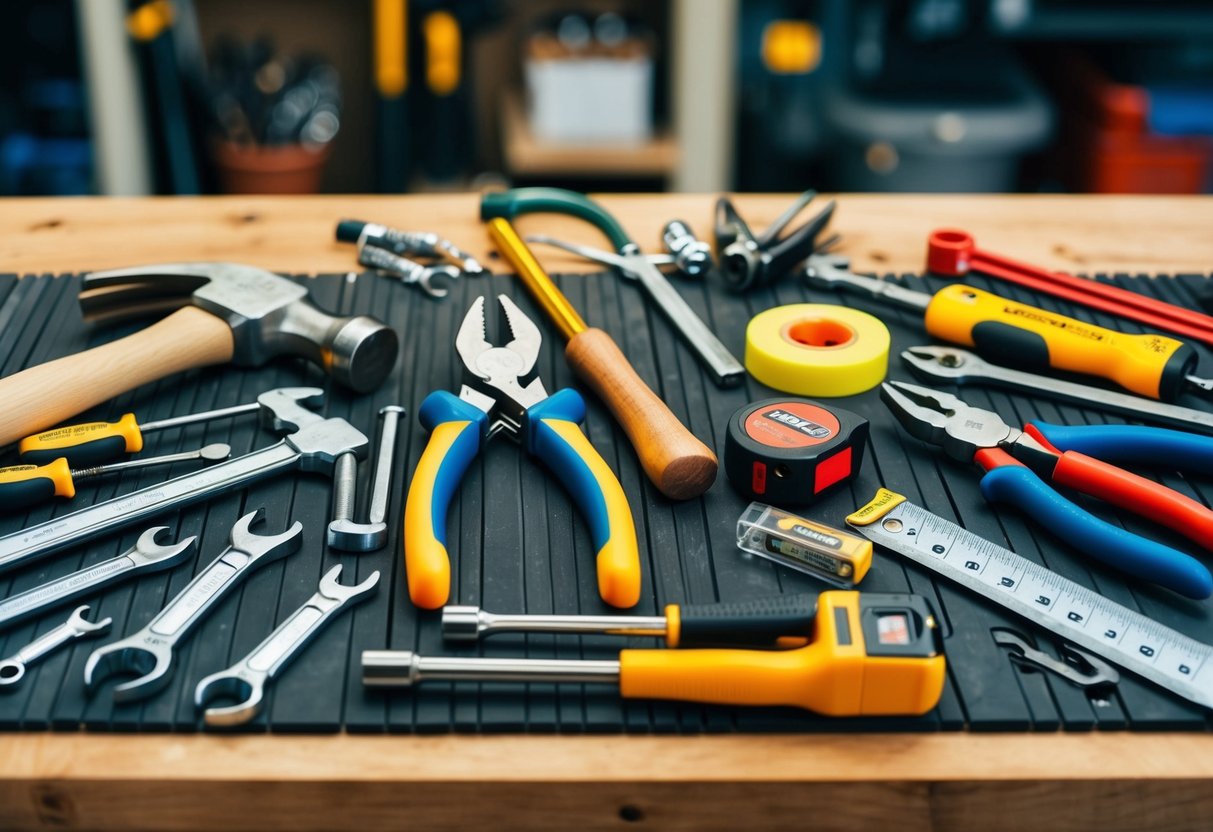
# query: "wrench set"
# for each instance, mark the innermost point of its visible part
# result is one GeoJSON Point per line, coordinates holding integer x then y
{"type": "Point", "coordinates": [874, 648]}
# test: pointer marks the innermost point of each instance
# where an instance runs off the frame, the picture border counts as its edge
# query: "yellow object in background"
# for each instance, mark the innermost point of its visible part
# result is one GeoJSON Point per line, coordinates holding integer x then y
{"type": "Point", "coordinates": [791, 47]}
{"type": "Point", "coordinates": [815, 349]}
{"type": "Point", "coordinates": [391, 50]}
{"type": "Point", "coordinates": [443, 45]}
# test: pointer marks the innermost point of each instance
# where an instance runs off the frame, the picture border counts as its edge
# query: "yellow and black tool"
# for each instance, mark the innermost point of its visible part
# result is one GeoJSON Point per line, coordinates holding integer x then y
{"type": "Point", "coordinates": [871, 655]}
{"type": "Point", "coordinates": [92, 443]}
{"type": "Point", "coordinates": [1018, 335]}
{"type": "Point", "coordinates": [22, 486]}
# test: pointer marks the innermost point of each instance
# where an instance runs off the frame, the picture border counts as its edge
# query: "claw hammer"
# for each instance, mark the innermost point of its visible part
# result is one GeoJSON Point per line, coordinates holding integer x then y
{"type": "Point", "coordinates": [228, 313]}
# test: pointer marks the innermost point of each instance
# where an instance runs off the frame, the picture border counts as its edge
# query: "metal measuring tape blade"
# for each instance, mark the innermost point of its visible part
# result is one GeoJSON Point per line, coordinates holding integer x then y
{"type": "Point", "coordinates": [1114, 632]}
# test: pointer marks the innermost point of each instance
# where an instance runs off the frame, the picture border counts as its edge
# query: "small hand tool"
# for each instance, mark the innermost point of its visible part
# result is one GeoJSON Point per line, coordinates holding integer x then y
{"type": "Point", "coordinates": [782, 621]}
{"type": "Point", "coordinates": [92, 443]}
{"type": "Point", "coordinates": [816, 549]}
{"type": "Point", "coordinates": [1018, 461]}
{"type": "Point", "coordinates": [954, 253]}
{"type": "Point", "coordinates": [1072, 612]}
{"type": "Point", "coordinates": [232, 312]}
{"type": "Point", "coordinates": [1100, 673]}
{"type": "Point", "coordinates": [494, 400]}
{"type": "Point", "coordinates": [749, 262]}
{"type": "Point", "coordinates": [343, 532]}
{"type": "Point", "coordinates": [672, 457]}
{"type": "Point", "coordinates": [407, 244]}
{"type": "Point", "coordinates": [1019, 335]}
{"type": "Point", "coordinates": [22, 486]}
{"type": "Point", "coordinates": [689, 254]}
{"type": "Point", "coordinates": [631, 263]}
{"type": "Point", "coordinates": [312, 443]}
{"type": "Point", "coordinates": [144, 557]}
{"type": "Point", "coordinates": [409, 272]}
{"type": "Point", "coordinates": [12, 669]}
{"type": "Point", "coordinates": [148, 654]}
{"type": "Point", "coordinates": [871, 654]}
{"type": "Point", "coordinates": [961, 367]}
{"type": "Point", "coordinates": [245, 681]}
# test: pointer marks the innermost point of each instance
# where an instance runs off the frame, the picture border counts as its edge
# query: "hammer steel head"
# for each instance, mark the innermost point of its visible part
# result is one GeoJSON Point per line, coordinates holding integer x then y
{"type": "Point", "coordinates": [269, 316]}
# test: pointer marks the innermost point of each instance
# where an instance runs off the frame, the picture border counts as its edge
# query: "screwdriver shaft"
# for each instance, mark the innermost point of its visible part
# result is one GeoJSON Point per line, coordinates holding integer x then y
{"type": "Point", "coordinates": [192, 418]}
{"type": "Point", "coordinates": [471, 623]}
{"type": "Point", "coordinates": [403, 668]}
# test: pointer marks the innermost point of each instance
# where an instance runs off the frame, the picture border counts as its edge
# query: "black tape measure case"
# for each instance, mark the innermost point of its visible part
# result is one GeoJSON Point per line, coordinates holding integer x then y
{"type": "Point", "coordinates": [790, 450]}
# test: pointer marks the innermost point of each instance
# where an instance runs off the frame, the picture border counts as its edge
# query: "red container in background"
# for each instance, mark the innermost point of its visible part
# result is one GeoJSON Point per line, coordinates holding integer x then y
{"type": "Point", "coordinates": [1111, 149]}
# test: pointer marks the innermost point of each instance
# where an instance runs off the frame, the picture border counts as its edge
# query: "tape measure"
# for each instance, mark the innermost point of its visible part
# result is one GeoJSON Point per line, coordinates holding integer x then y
{"type": "Point", "coordinates": [787, 450]}
{"type": "Point", "coordinates": [1111, 631]}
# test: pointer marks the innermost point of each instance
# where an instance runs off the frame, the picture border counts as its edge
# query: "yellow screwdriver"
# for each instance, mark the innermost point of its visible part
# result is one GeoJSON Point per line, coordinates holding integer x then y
{"type": "Point", "coordinates": [92, 443]}
{"type": "Point", "coordinates": [871, 654]}
{"type": "Point", "coordinates": [26, 485]}
{"type": "Point", "coordinates": [673, 458]}
{"type": "Point", "coordinates": [1017, 335]}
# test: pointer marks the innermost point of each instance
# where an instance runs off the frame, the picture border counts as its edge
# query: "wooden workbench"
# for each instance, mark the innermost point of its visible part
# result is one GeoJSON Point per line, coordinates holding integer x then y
{"type": "Point", "coordinates": [1106, 781]}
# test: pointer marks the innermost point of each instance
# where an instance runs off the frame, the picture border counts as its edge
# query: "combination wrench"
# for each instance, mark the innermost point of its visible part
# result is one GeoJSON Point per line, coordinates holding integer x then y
{"type": "Point", "coordinates": [145, 556]}
{"type": "Point", "coordinates": [245, 681]}
{"type": "Point", "coordinates": [12, 669]}
{"type": "Point", "coordinates": [149, 652]}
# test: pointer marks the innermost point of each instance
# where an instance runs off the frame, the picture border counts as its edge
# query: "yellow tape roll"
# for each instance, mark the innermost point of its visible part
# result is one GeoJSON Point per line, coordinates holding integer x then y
{"type": "Point", "coordinates": [814, 349]}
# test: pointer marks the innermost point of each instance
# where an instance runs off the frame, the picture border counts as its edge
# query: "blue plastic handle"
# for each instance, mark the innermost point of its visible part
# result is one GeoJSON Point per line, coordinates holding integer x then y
{"type": "Point", "coordinates": [1130, 553]}
{"type": "Point", "coordinates": [1133, 443]}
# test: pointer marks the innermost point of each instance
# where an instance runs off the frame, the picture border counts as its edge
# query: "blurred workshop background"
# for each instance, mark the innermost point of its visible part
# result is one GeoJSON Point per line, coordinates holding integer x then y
{"type": "Point", "coordinates": [296, 96]}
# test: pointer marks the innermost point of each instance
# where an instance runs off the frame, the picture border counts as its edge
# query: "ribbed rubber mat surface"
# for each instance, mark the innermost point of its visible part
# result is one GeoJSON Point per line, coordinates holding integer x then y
{"type": "Point", "coordinates": [518, 544]}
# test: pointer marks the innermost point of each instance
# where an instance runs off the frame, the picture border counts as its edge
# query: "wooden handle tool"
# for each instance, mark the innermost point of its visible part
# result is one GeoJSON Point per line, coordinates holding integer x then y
{"type": "Point", "coordinates": [673, 458]}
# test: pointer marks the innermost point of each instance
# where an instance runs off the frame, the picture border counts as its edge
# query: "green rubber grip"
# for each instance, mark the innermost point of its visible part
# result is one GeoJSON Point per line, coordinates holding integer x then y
{"type": "Point", "coordinates": [511, 203]}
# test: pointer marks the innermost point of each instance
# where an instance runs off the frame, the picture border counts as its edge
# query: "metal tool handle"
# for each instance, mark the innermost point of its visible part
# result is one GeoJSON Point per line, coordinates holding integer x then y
{"type": "Point", "coordinates": [473, 623]}
{"type": "Point", "coordinates": [385, 460]}
{"type": "Point", "coordinates": [49, 641]}
{"type": "Point", "coordinates": [46, 538]}
{"type": "Point", "coordinates": [64, 589]}
{"type": "Point", "coordinates": [403, 668]}
{"type": "Point", "coordinates": [726, 370]}
{"type": "Point", "coordinates": [186, 339]}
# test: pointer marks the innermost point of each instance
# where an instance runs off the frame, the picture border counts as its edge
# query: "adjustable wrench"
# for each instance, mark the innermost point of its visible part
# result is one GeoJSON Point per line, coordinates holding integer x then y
{"type": "Point", "coordinates": [145, 556]}
{"type": "Point", "coordinates": [12, 669]}
{"type": "Point", "coordinates": [150, 651]}
{"type": "Point", "coordinates": [247, 678]}
{"type": "Point", "coordinates": [313, 445]}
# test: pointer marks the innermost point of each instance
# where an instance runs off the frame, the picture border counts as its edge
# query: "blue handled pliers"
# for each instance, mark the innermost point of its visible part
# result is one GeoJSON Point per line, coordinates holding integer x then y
{"type": "Point", "coordinates": [1018, 461]}
{"type": "Point", "coordinates": [493, 400]}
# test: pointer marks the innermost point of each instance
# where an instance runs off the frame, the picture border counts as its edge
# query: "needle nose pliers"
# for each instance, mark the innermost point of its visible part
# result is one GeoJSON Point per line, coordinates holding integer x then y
{"type": "Point", "coordinates": [1018, 461]}
{"type": "Point", "coordinates": [492, 400]}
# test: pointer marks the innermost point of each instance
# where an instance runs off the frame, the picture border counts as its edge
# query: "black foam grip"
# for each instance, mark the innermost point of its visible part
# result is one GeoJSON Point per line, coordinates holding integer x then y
{"type": "Point", "coordinates": [86, 454]}
{"type": "Point", "coordinates": [758, 623]}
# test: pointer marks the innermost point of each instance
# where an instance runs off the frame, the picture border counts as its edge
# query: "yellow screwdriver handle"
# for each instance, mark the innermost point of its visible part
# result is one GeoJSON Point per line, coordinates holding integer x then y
{"type": "Point", "coordinates": [90, 443]}
{"type": "Point", "coordinates": [834, 675]}
{"type": "Point", "coordinates": [27, 485]}
{"type": "Point", "coordinates": [1015, 334]}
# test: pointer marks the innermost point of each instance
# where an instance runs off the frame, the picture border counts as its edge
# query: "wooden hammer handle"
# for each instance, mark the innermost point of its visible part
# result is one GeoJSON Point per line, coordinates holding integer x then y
{"type": "Point", "coordinates": [45, 395]}
{"type": "Point", "coordinates": [673, 458]}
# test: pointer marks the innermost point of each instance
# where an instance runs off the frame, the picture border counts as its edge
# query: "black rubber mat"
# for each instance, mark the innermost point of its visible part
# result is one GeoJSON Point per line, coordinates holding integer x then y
{"type": "Point", "coordinates": [518, 544]}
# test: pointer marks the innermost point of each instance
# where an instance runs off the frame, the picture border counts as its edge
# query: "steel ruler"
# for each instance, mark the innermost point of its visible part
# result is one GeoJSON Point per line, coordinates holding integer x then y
{"type": "Point", "coordinates": [1114, 632]}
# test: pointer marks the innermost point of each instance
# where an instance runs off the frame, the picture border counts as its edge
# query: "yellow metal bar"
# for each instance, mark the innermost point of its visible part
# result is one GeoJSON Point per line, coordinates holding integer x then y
{"type": "Point", "coordinates": [535, 279]}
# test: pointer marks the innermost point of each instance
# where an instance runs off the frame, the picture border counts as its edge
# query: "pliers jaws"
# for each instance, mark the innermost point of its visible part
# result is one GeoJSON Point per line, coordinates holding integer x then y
{"type": "Point", "coordinates": [944, 420]}
{"type": "Point", "coordinates": [493, 376]}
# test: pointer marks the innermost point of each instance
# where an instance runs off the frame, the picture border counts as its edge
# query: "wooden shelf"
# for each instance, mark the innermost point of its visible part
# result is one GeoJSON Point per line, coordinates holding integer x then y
{"type": "Point", "coordinates": [527, 156]}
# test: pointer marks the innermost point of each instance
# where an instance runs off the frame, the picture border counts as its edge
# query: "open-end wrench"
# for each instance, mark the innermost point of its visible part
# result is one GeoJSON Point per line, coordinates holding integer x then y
{"type": "Point", "coordinates": [961, 367]}
{"type": "Point", "coordinates": [409, 272]}
{"type": "Point", "coordinates": [245, 681]}
{"type": "Point", "coordinates": [145, 556]}
{"type": "Point", "coordinates": [313, 444]}
{"type": "Point", "coordinates": [12, 669]}
{"type": "Point", "coordinates": [149, 652]}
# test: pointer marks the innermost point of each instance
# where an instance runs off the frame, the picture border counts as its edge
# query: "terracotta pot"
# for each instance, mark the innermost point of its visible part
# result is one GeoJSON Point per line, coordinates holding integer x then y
{"type": "Point", "coordinates": [279, 169]}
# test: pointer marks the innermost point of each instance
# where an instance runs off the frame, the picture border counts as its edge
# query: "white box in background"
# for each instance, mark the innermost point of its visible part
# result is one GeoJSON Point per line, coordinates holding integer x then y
{"type": "Point", "coordinates": [591, 99]}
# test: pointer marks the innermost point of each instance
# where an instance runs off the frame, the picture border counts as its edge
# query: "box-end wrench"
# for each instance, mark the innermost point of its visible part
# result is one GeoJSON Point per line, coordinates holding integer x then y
{"type": "Point", "coordinates": [149, 652]}
{"type": "Point", "coordinates": [961, 367]}
{"type": "Point", "coordinates": [313, 444]}
{"type": "Point", "coordinates": [12, 669]}
{"type": "Point", "coordinates": [245, 681]}
{"type": "Point", "coordinates": [145, 556]}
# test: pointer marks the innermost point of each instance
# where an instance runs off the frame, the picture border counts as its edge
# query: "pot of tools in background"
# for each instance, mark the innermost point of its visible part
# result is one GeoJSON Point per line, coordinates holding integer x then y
{"type": "Point", "coordinates": [276, 118]}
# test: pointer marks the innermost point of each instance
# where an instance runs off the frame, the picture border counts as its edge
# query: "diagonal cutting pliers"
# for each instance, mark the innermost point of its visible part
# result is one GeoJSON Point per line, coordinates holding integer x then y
{"type": "Point", "coordinates": [492, 400]}
{"type": "Point", "coordinates": [1017, 463]}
